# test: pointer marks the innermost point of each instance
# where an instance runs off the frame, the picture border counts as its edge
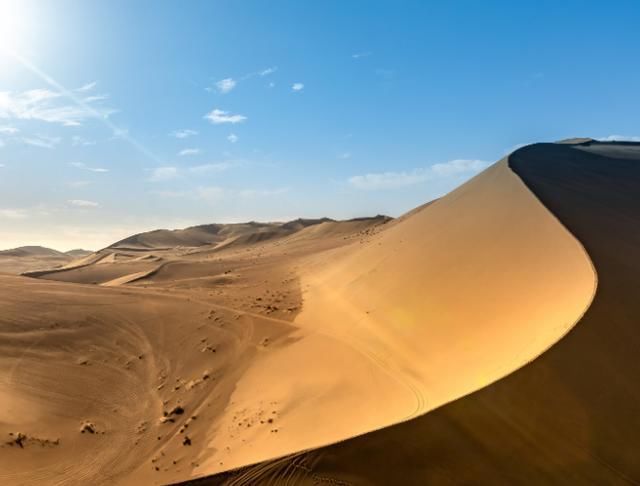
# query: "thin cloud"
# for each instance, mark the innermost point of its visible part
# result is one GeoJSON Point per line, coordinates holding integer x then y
{"type": "Point", "coordinates": [78, 141]}
{"type": "Point", "coordinates": [217, 117]}
{"type": "Point", "coordinates": [184, 133]}
{"type": "Point", "coordinates": [9, 130]}
{"type": "Point", "coordinates": [268, 71]}
{"type": "Point", "coordinates": [226, 85]}
{"type": "Point", "coordinates": [233, 138]}
{"type": "Point", "coordinates": [42, 141]}
{"type": "Point", "coordinates": [344, 155]}
{"type": "Point", "coordinates": [189, 151]}
{"type": "Point", "coordinates": [213, 167]}
{"type": "Point", "coordinates": [395, 180]}
{"type": "Point", "coordinates": [160, 174]}
{"type": "Point", "coordinates": [83, 166]}
{"type": "Point", "coordinates": [360, 55]}
{"type": "Point", "coordinates": [87, 87]}
{"type": "Point", "coordinates": [49, 106]}
{"type": "Point", "coordinates": [83, 203]}
{"type": "Point", "coordinates": [297, 86]}
{"type": "Point", "coordinates": [619, 138]}
{"type": "Point", "coordinates": [213, 194]}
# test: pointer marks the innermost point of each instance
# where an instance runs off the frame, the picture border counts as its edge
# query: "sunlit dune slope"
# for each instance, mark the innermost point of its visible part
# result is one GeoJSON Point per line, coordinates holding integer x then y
{"type": "Point", "coordinates": [571, 416]}
{"type": "Point", "coordinates": [440, 304]}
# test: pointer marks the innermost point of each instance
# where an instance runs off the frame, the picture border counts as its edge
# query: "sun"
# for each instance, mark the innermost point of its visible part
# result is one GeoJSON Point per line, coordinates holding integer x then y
{"type": "Point", "coordinates": [13, 24]}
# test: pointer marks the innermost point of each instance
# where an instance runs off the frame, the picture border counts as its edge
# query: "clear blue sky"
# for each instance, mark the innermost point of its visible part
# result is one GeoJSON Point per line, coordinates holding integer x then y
{"type": "Point", "coordinates": [120, 116]}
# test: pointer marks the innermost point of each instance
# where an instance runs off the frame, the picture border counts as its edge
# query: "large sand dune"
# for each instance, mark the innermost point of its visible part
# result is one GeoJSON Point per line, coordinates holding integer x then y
{"type": "Point", "coordinates": [386, 339]}
{"type": "Point", "coordinates": [569, 417]}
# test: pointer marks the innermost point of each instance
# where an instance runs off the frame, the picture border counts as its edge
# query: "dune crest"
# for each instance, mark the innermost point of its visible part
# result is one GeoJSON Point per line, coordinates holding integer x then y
{"type": "Point", "coordinates": [430, 309]}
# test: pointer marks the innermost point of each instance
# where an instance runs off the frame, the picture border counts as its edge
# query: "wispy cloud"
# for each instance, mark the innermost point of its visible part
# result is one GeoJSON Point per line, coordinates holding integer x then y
{"type": "Point", "coordinates": [225, 85]}
{"type": "Point", "coordinates": [395, 180]}
{"type": "Point", "coordinates": [83, 203]}
{"type": "Point", "coordinates": [212, 167]}
{"type": "Point", "coordinates": [620, 138]}
{"type": "Point", "coordinates": [160, 174]}
{"type": "Point", "coordinates": [8, 130]}
{"type": "Point", "coordinates": [268, 71]}
{"type": "Point", "coordinates": [344, 155]}
{"type": "Point", "coordinates": [87, 87]}
{"type": "Point", "coordinates": [233, 138]}
{"type": "Point", "coordinates": [42, 141]}
{"type": "Point", "coordinates": [217, 117]}
{"type": "Point", "coordinates": [189, 151]}
{"type": "Point", "coordinates": [51, 107]}
{"type": "Point", "coordinates": [297, 87]}
{"type": "Point", "coordinates": [213, 194]}
{"type": "Point", "coordinates": [360, 55]}
{"type": "Point", "coordinates": [83, 166]}
{"type": "Point", "coordinates": [183, 133]}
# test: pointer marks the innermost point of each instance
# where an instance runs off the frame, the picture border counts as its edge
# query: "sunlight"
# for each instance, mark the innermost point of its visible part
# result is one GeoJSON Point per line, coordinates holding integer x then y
{"type": "Point", "coordinates": [13, 24]}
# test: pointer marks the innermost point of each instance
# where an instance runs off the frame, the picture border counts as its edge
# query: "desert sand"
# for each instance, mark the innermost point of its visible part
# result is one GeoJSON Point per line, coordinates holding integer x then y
{"type": "Point", "coordinates": [471, 340]}
{"type": "Point", "coordinates": [568, 417]}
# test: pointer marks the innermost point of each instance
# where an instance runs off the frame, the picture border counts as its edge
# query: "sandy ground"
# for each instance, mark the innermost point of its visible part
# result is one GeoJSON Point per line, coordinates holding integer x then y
{"type": "Point", "coordinates": [149, 363]}
{"type": "Point", "coordinates": [569, 417]}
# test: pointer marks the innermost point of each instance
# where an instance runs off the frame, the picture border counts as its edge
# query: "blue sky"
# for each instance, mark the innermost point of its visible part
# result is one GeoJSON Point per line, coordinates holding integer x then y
{"type": "Point", "coordinates": [118, 117]}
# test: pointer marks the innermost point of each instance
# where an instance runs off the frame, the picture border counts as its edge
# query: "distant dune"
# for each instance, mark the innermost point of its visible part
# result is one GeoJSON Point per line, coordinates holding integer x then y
{"type": "Point", "coordinates": [487, 337]}
{"type": "Point", "coordinates": [31, 258]}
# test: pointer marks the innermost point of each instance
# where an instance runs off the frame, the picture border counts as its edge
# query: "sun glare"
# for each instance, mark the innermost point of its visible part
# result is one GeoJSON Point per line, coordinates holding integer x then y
{"type": "Point", "coordinates": [13, 24]}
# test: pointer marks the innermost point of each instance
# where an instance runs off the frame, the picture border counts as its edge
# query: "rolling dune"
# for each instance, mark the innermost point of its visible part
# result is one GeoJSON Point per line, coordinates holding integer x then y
{"type": "Point", "coordinates": [570, 416]}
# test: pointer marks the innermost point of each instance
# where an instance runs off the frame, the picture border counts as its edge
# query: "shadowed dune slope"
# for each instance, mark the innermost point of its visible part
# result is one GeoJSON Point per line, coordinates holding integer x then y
{"type": "Point", "coordinates": [444, 302]}
{"type": "Point", "coordinates": [572, 416]}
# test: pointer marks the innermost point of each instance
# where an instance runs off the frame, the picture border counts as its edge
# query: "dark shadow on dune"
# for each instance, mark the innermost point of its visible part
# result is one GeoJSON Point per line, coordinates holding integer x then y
{"type": "Point", "coordinates": [570, 417]}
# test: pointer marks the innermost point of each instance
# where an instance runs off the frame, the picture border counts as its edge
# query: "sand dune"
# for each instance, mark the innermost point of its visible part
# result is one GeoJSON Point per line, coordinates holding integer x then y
{"type": "Point", "coordinates": [32, 258]}
{"type": "Point", "coordinates": [436, 348]}
{"type": "Point", "coordinates": [570, 416]}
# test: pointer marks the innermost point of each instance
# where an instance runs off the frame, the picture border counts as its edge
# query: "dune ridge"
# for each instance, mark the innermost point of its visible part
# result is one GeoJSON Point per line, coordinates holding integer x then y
{"type": "Point", "coordinates": [568, 417]}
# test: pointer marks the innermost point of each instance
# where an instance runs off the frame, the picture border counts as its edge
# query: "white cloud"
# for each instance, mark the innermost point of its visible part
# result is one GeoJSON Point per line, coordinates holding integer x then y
{"type": "Point", "coordinates": [271, 84]}
{"type": "Point", "coordinates": [48, 106]}
{"type": "Point", "coordinates": [189, 151]}
{"type": "Point", "coordinates": [297, 86]}
{"type": "Point", "coordinates": [183, 133]}
{"type": "Point", "coordinates": [359, 55]}
{"type": "Point", "coordinates": [344, 155]}
{"type": "Point", "coordinates": [619, 138]}
{"type": "Point", "coordinates": [225, 85]}
{"type": "Point", "coordinates": [42, 141]}
{"type": "Point", "coordinates": [2, 165]}
{"type": "Point", "coordinates": [83, 166]}
{"type": "Point", "coordinates": [163, 173]}
{"type": "Point", "coordinates": [216, 193]}
{"type": "Point", "coordinates": [394, 180]}
{"type": "Point", "coordinates": [8, 130]}
{"type": "Point", "coordinates": [217, 117]}
{"type": "Point", "coordinates": [82, 203]}
{"type": "Point", "coordinates": [213, 167]}
{"type": "Point", "coordinates": [87, 87]}
{"type": "Point", "coordinates": [233, 138]}
{"type": "Point", "coordinates": [268, 71]}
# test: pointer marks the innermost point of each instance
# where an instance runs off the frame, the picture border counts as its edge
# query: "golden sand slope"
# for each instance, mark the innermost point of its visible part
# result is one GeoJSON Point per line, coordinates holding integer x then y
{"type": "Point", "coordinates": [436, 306]}
{"type": "Point", "coordinates": [569, 417]}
